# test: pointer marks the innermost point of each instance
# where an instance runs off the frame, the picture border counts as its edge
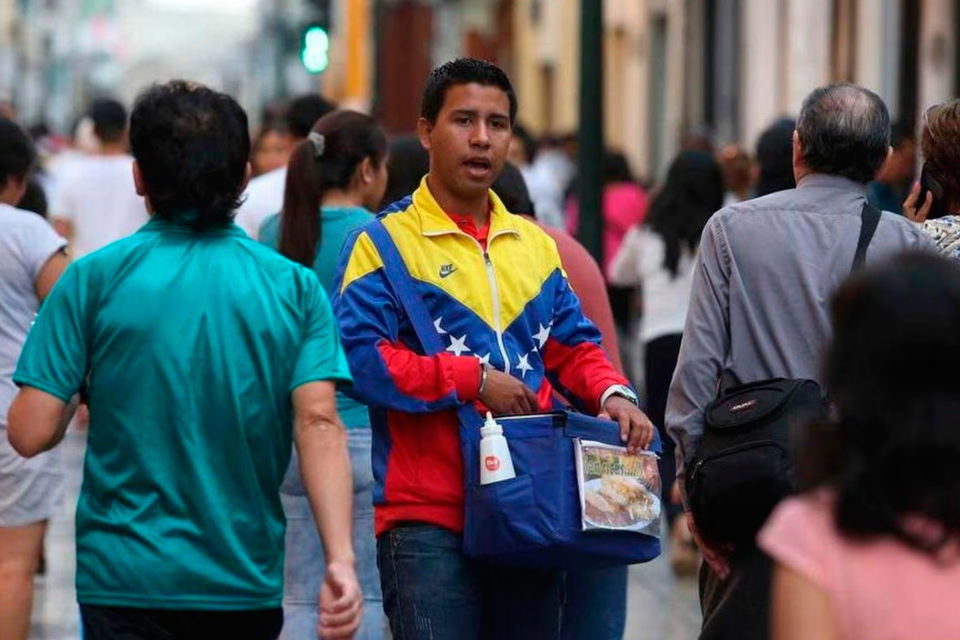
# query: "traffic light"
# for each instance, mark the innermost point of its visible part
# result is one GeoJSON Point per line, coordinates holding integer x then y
{"type": "Point", "coordinates": [315, 49]}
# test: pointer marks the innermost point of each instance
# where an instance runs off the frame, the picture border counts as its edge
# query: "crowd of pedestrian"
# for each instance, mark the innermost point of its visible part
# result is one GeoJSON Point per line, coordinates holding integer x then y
{"type": "Point", "coordinates": [273, 449]}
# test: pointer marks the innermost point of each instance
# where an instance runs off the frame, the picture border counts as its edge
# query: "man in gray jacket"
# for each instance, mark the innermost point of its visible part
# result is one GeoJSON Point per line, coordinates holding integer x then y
{"type": "Point", "coordinates": [759, 305]}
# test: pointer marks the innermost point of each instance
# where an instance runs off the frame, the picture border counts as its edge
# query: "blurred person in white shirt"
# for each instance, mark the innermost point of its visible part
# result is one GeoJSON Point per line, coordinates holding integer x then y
{"type": "Point", "coordinates": [94, 201]}
{"type": "Point", "coordinates": [546, 171]}
{"type": "Point", "coordinates": [264, 194]}
{"type": "Point", "coordinates": [31, 261]}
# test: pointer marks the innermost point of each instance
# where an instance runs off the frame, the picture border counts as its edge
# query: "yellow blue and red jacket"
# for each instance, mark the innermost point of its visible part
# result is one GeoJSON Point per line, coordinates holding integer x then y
{"type": "Point", "coordinates": [507, 304]}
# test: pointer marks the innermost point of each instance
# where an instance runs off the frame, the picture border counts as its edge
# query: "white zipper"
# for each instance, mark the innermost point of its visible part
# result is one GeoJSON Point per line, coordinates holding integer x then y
{"type": "Point", "coordinates": [496, 310]}
{"type": "Point", "coordinates": [493, 289]}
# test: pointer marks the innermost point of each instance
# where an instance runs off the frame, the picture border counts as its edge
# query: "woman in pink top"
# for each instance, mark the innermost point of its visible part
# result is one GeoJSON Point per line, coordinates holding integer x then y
{"type": "Point", "coordinates": [872, 551]}
{"type": "Point", "coordinates": [624, 205]}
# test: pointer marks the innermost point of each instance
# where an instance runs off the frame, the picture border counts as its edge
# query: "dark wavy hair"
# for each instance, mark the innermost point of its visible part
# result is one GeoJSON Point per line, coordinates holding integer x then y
{"type": "Point", "coordinates": [17, 153]}
{"type": "Point", "coordinates": [940, 146]}
{"type": "Point", "coordinates": [892, 372]}
{"type": "Point", "coordinates": [191, 144]}
{"type": "Point", "coordinates": [349, 138]}
{"type": "Point", "coordinates": [463, 71]}
{"type": "Point", "coordinates": [844, 130]}
{"type": "Point", "coordinates": [691, 194]}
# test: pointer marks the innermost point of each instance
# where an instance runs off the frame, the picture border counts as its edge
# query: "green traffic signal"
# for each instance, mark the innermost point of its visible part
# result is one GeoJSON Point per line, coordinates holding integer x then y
{"type": "Point", "coordinates": [315, 53]}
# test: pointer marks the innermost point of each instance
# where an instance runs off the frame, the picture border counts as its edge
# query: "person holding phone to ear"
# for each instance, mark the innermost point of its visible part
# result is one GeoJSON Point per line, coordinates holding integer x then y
{"type": "Point", "coordinates": [934, 201]}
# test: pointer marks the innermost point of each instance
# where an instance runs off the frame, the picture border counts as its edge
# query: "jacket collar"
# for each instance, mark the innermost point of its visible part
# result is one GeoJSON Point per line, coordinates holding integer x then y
{"type": "Point", "coordinates": [434, 221]}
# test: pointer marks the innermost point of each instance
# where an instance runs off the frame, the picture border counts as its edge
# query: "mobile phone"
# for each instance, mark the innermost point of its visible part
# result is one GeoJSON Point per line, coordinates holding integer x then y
{"type": "Point", "coordinates": [929, 184]}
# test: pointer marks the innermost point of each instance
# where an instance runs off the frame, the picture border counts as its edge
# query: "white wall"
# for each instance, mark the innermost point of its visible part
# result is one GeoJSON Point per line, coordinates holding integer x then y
{"type": "Point", "coordinates": [878, 48]}
{"type": "Point", "coordinates": [761, 68]}
{"type": "Point", "coordinates": [937, 52]}
{"type": "Point", "coordinates": [808, 51]}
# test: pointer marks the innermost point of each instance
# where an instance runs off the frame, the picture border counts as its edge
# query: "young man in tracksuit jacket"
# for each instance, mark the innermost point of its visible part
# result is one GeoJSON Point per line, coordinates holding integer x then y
{"type": "Point", "coordinates": [514, 332]}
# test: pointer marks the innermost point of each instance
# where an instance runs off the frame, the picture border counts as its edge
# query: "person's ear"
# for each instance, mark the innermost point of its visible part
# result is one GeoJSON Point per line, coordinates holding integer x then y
{"type": "Point", "coordinates": [138, 183]}
{"type": "Point", "coordinates": [367, 172]}
{"type": "Point", "coordinates": [19, 187]}
{"type": "Point", "coordinates": [246, 177]}
{"type": "Point", "coordinates": [424, 129]}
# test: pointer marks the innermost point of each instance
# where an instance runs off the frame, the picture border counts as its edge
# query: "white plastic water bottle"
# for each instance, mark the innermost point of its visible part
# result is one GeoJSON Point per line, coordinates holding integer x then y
{"type": "Point", "coordinates": [495, 461]}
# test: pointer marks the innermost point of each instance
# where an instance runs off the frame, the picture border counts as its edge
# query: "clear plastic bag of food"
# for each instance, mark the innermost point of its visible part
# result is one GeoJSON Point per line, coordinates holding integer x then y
{"type": "Point", "coordinates": [618, 491]}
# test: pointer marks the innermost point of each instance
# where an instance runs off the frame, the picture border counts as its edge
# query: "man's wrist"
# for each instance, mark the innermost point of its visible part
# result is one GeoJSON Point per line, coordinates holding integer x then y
{"type": "Point", "coordinates": [620, 390]}
{"type": "Point", "coordinates": [347, 559]}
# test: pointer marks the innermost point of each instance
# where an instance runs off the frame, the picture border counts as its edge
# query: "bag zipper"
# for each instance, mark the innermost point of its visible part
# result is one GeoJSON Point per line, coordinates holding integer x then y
{"type": "Point", "coordinates": [730, 451]}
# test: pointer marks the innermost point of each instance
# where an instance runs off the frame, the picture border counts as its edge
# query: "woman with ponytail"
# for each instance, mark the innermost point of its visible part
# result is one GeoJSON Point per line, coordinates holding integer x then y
{"type": "Point", "coordinates": [335, 178]}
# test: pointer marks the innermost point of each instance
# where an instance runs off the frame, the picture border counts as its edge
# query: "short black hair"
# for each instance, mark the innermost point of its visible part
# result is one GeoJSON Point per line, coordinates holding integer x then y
{"type": "Point", "coordinates": [304, 111]}
{"type": "Point", "coordinates": [109, 120]}
{"type": "Point", "coordinates": [17, 153]}
{"type": "Point", "coordinates": [775, 157]}
{"type": "Point", "coordinates": [512, 190]}
{"type": "Point", "coordinates": [463, 71]}
{"type": "Point", "coordinates": [616, 167]}
{"type": "Point", "coordinates": [191, 144]}
{"type": "Point", "coordinates": [844, 130]}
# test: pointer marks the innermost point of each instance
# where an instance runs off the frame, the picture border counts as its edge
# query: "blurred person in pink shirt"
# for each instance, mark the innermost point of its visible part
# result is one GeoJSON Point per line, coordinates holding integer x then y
{"type": "Point", "coordinates": [624, 205]}
{"type": "Point", "coordinates": [872, 550]}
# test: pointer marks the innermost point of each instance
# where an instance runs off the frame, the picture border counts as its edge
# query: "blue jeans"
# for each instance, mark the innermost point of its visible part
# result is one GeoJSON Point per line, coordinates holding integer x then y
{"type": "Point", "coordinates": [432, 591]}
{"type": "Point", "coordinates": [304, 567]}
{"type": "Point", "coordinates": [596, 604]}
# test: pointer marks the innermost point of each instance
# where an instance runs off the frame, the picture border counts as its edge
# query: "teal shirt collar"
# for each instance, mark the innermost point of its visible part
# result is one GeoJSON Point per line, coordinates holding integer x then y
{"type": "Point", "coordinates": [183, 226]}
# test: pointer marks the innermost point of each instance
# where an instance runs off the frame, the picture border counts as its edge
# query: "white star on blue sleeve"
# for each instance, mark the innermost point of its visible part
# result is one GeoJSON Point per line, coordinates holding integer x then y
{"type": "Point", "coordinates": [542, 335]}
{"type": "Point", "coordinates": [458, 345]}
{"type": "Point", "coordinates": [523, 365]}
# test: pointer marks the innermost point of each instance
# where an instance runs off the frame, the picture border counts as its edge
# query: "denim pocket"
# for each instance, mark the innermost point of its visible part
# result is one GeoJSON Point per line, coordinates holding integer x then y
{"type": "Point", "coordinates": [505, 517]}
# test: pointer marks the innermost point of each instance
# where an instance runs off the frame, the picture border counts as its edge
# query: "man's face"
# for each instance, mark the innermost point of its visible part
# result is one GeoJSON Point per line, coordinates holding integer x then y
{"type": "Point", "coordinates": [468, 143]}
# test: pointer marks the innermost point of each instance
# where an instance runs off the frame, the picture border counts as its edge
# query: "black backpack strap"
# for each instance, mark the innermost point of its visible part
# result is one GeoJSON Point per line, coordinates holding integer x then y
{"type": "Point", "coordinates": [869, 219]}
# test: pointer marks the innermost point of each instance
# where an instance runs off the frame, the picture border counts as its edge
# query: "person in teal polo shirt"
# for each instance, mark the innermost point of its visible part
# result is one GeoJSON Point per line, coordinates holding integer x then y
{"type": "Point", "coordinates": [204, 355]}
{"type": "Point", "coordinates": [335, 178]}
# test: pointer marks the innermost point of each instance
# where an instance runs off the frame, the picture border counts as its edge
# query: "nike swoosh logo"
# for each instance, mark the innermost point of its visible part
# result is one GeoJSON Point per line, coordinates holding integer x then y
{"type": "Point", "coordinates": [446, 270]}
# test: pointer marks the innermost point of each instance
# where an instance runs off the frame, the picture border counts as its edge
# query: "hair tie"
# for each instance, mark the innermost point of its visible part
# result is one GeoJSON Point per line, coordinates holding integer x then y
{"type": "Point", "coordinates": [318, 142]}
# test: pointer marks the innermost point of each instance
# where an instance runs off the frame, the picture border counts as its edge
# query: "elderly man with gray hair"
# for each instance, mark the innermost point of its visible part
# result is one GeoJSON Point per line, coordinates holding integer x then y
{"type": "Point", "coordinates": [759, 306]}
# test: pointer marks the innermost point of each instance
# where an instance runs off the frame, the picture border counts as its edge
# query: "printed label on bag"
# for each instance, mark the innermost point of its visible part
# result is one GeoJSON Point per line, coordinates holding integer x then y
{"type": "Point", "coordinates": [618, 491]}
{"type": "Point", "coordinates": [492, 463]}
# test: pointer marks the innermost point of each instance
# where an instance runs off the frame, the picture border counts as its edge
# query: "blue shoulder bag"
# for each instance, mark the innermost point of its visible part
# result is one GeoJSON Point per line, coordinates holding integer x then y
{"type": "Point", "coordinates": [534, 519]}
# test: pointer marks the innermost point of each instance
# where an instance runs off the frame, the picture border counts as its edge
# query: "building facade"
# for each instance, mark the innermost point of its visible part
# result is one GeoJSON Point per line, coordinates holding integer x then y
{"type": "Point", "coordinates": [728, 67]}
